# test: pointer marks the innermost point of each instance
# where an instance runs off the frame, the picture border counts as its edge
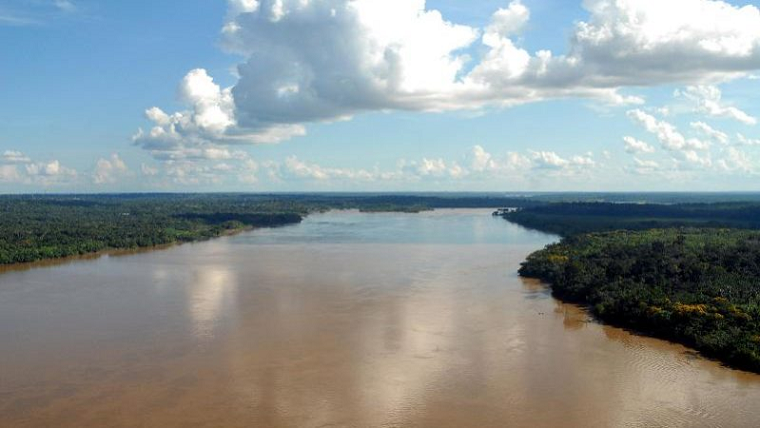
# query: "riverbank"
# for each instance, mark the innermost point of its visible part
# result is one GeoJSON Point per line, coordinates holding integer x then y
{"type": "Point", "coordinates": [114, 252]}
{"type": "Point", "coordinates": [697, 287]}
{"type": "Point", "coordinates": [41, 227]}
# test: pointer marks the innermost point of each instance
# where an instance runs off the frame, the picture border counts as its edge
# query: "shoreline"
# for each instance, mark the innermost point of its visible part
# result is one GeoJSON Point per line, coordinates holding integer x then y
{"type": "Point", "coordinates": [115, 252]}
{"type": "Point", "coordinates": [630, 328]}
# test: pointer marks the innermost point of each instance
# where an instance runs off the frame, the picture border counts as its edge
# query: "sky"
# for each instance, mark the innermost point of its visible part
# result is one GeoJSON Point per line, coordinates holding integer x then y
{"type": "Point", "coordinates": [369, 95]}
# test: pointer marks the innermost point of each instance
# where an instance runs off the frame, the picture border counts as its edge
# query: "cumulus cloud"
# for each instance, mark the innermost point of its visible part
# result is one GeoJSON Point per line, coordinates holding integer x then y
{"type": "Point", "coordinates": [9, 174]}
{"type": "Point", "coordinates": [687, 153]}
{"type": "Point", "coordinates": [14, 156]}
{"type": "Point", "coordinates": [148, 171]}
{"type": "Point", "coordinates": [643, 167]}
{"type": "Point", "coordinates": [209, 122]}
{"type": "Point", "coordinates": [50, 169]}
{"type": "Point", "coordinates": [645, 42]}
{"type": "Point", "coordinates": [326, 60]}
{"type": "Point", "coordinates": [735, 160]}
{"type": "Point", "coordinates": [18, 168]}
{"type": "Point", "coordinates": [710, 132]}
{"type": "Point", "coordinates": [666, 133]}
{"type": "Point", "coordinates": [708, 100]}
{"type": "Point", "coordinates": [482, 166]}
{"type": "Point", "coordinates": [109, 170]}
{"type": "Point", "coordinates": [293, 167]}
{"type": "Point", "coordinates": [633, 145]}
{"type": "Point", "coordinates": [48, 173]}
{"type": "Point", "coordinates": [484, 163]}
{"type": "Point", "coordinates": [744, 141]}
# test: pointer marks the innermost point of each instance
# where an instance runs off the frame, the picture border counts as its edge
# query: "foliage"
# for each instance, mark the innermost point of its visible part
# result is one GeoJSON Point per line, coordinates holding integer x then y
{"type": "Point", "coordinates": [700, 287]}
{"type": "Point", "coordinates": [43, 227]}
{"type": "Point", "coordinates": [568, 219]}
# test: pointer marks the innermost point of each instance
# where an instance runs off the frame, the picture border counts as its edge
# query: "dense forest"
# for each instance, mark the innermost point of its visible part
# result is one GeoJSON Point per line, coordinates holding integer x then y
{"type": "Point", "coordinates": [700, 287]}
{"type": "Point", "coordinates": [568, 219]}
{"type": "Point", "coordinates": [686, 272]}
{"type": "Point", "coordinates": [37, 227]}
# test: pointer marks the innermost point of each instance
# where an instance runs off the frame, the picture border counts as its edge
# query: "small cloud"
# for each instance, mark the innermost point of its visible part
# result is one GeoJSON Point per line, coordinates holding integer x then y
{"type": "Point", "coordinates": [14, 156]}
{"type": "Point", "coordinates": [709, 131]}
{"type": "Point", "coordinates": [744, 141]}
{"type": "Point", "coordinates": [17, 21]}
{"type": "Point", "coordinates": [633, 145]}
{"type": "Point", "coordinates": [65, 5]}
{"type": "Point", "coordinates": [708, 100]}
{"type": "Point", "coordinates": [108, 170]}
{"type": "Point", "coordinates": [148, 170]}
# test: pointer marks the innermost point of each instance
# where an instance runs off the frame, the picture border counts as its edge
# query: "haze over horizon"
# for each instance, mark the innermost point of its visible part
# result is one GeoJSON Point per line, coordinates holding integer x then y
{"type": "Point", "coordinates": [363, 95]}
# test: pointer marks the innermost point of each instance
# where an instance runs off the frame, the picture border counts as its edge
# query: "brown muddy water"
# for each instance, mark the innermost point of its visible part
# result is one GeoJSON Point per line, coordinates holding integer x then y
{"type": "Point", "coordinates": [349, 319]}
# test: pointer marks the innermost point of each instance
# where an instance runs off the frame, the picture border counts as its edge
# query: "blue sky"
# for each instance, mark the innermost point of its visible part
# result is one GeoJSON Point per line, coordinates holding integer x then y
{"type": "Point", "coordinates": [284, 95]}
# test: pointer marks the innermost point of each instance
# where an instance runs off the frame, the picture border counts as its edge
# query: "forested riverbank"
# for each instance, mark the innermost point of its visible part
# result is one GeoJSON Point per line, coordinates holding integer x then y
{"type": "Point", "coordinates": [699, 286]}
{"type": "Point", "coordinates": [40, 227]}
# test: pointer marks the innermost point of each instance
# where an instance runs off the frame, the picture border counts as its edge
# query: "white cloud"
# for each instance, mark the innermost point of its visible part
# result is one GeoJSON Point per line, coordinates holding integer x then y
{"type": "Point", "coordinates": [9, 174]}
{"type": "Point", "coordinates": [481, 160]}
{"type": "Point", "coordinates": [548, 160]}
{"type": "Point", "coordinates": [666, 133]}
{"type": "Point", "coordinates": [710, 132]}
{"type": "Point", "coordinates": [109, 170]}
{"type": "Point", "coordinates": [16, 167]}
{"type": "Point", "coordinates": [508, 21]}
{"type": "Point", "coordinates": [65, 5]}
{"type": "Point", "coordinates": [744, 141]}
{"type": "Point", "coordinates": [643, 167]}
{"type": "Point", "coordinates": [633, 145]}
{"type": "Point", "coordinates": [513, 166]}
{"type": "Point", "coordinates": [326, 60]}
{"type": "Point", "coordinates": [300, 169]}
{"type": "Point", "coordinates": [552, 161]}
{"type": "Point", "coordinates": [646, 41]}
{"type": "Point", "coordinates": [242, 6]}
{"type": "Point", "coordinates": [14, 156]}
{"type": "Point", "coordinates": [690, 158]}
{"type": "Point", "coordinates": [735, 160]}
{"type": "Point", "coordinates": [17, 21]}
{"type": "Point", "coordinates": [209, 123]}
{"type": "Point", "coordinates": [484, 163]}
{"type": "Point", "coordinates": [434, 167]}
{"type": "Point", "coordinates": [708, 101]}
{"type": "Point", "coordinates": [48, 173]}
{"type": "Point", "coordinates": [148, 171]}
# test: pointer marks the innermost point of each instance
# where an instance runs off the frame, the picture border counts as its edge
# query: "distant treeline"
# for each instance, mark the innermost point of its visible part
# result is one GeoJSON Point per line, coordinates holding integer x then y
{"type": "Point", "coordinates": [36, 227]}
{"type": "Point", "coordinates": [567, 219]}
{"type": "Point", "coordinates": [700, 287]}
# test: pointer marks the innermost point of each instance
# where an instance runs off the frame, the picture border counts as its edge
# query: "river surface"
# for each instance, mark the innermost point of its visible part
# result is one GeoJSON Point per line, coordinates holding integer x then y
{"type": "Point", "coordinates": [348, 319]}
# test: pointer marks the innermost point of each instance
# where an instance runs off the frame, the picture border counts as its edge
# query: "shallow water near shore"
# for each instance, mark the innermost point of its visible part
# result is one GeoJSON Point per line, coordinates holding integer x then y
{"type": "Point", "coordinates": [347, 319]}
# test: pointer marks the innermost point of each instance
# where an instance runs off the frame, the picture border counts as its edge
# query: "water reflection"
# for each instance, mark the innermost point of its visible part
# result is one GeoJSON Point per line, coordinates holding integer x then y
{"type": "Point", "coordinates": [212, 294]}
{"type": "Point", "coordinates": [347, 319]}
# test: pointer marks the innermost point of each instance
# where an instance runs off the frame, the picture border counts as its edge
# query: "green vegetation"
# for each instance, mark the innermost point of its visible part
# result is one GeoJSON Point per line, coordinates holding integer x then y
{"type": "Point", "coordinates": [37, 227]}
{"type": "Point", "coordinates": [568, 219]}
{"type": "Point", "coordinates": [695, 285]}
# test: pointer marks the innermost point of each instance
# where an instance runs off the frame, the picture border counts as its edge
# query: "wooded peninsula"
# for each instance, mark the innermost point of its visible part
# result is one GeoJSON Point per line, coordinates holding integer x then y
{"type": "Point", "coordinates": [688, 273]}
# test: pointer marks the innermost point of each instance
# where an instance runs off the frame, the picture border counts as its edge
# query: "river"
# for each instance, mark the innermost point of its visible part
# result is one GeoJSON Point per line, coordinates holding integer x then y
{"type": "Point", "coordinates": [347, 319]}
